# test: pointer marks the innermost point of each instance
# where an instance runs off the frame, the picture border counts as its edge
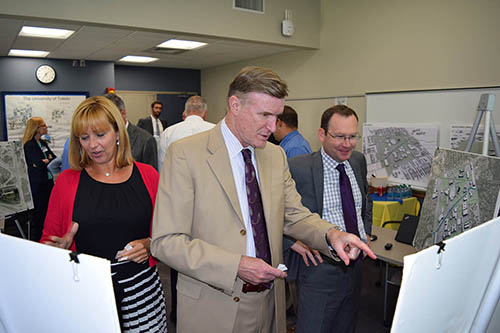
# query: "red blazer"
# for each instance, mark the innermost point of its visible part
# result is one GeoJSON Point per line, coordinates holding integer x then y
{"type": "Point", "coordinates": [60, 212]}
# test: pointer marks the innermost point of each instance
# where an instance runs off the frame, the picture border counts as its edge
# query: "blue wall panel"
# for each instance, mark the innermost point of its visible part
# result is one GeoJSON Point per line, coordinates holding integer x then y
{"type": "Point", "coordinates": [157, 79]}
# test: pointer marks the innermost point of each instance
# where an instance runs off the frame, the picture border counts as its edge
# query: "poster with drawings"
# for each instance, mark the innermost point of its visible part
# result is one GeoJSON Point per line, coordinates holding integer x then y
{"type": "Point", "coordinates": [401, 152]}
{"type": "Point", "coordinates": [15, 193]}
{"type": "Point", "coordinates": [55, 108]}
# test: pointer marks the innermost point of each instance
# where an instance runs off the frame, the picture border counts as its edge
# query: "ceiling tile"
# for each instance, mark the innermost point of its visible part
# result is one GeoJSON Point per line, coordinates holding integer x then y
{"type": "Point", "coordinates": [110, 44]}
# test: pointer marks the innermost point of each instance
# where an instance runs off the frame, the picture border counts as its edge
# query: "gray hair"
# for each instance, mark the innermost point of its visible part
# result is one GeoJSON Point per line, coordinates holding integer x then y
{"type": "Point", "coordinates": [116, 100]}
{"type": "Point", "coordinates": [195, 104]}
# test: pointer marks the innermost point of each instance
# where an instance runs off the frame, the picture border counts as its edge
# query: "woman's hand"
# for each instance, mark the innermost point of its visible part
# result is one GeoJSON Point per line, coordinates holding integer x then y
{"type": "Point", "coordinates": [65, 241]}
{"type": "Point", "coordinates": [140, 251]}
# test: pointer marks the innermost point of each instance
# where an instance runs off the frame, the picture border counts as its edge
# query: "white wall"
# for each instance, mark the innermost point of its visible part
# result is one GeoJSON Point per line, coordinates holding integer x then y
{"type": "Point", "coordinates": [381, 45]}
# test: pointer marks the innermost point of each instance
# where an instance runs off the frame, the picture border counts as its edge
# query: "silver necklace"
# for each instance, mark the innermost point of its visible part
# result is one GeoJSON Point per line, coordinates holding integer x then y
{"type": "Point", "coordinates": [107, 174]}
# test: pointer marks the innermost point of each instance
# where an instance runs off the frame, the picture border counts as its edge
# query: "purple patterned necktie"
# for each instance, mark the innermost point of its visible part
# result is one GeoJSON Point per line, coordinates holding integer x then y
{"type": "Point", "coordinates": [256, 210]}
{"type": "Point", "coordinates": [348, 207]}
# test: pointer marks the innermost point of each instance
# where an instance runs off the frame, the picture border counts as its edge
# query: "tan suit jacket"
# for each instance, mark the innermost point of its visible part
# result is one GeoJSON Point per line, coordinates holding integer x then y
{"type": "Point", "coordinates": [198, 228]}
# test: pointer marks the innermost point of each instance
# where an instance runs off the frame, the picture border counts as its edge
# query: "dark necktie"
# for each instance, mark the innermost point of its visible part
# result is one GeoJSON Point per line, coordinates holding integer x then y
{"type": "Point", "coordinates": [256, 210]}
{"type": "Point", "coordinates": [348, 207]}
{"type": "Point", "coordinates": [157, 128]}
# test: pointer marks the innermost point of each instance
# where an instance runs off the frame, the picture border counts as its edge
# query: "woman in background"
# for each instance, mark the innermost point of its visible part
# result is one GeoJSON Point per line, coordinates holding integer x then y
{"type": "Point", "coordinates": [38, 155]}
{"type": "Point", "coordinates": [103, 206]}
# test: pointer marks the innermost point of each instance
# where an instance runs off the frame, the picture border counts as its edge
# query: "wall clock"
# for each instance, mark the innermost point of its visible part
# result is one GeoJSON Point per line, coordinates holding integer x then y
{"type": "Point", "coordinates": [45, 74]}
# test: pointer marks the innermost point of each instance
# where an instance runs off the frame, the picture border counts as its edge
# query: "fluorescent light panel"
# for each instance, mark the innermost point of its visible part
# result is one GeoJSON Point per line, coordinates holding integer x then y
{"type": "Point", "coordinates": [181, 44]}
{"type": "Point", "coordinates": [28, 53]}
{"type": "Point", "coordinates": [28, 31]}
{"type": "Point", "coordinates": [138, 59]}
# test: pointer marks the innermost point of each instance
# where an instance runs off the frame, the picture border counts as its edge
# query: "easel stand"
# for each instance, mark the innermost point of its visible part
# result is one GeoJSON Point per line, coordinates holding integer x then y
{"type": "Point", "coordinates": [15, 218]}
{"type": "Point", "coordinates": [485, 107]}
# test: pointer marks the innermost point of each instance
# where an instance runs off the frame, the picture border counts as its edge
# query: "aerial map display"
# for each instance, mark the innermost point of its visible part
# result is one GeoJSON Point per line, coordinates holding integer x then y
{"type": "Point", "coordinates": [15, 193]}
{"type": "Point", "coordinates": [401, 153]}
{"type": "Point", "coordinates": [56, 110]}
{"type": "Point", "coordinates": [462, 193]}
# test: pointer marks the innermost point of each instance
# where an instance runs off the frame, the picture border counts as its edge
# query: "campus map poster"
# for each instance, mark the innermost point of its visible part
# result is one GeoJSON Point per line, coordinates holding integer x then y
{"type": "Point", "coordinates": [55, 109]}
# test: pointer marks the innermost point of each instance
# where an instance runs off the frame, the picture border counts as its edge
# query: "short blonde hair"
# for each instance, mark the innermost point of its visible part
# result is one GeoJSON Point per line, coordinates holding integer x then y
{"type": "Point", "coordinates": [32, 126]}
{"type": "Point", "coordinates": [98, 113]}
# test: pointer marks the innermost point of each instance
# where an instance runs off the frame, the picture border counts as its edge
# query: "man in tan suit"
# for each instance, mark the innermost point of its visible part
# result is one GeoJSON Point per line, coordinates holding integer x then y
{"type": "Point", "coordinates": [205, 225]}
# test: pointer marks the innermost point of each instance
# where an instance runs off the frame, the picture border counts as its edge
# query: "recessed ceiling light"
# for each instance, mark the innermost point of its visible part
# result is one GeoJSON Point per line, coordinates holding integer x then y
{"type": "Point", "coordinates": [28, 53]}
{"type": "Point", "coordinates": [138, 59]}
{"type": "Point", "coordinates": [28, 31]}
{"type": "Point", "coordinates": [181, 44]}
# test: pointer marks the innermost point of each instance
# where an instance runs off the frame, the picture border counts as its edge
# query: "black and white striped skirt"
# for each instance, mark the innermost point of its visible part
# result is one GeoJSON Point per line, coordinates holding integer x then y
{"type": "Point", "coordinates": [139, 297]}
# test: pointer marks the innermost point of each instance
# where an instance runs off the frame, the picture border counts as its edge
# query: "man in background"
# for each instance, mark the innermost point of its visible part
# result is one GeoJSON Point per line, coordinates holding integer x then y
{"type": "Point", "coordinates": [143, 145]}
{"type": "Point", "coordinates": [332, 183]}
{"type": "Point", "coordinates": [195, 115]}
{"type": "Point", "coordinates": [292, 142]}
{"type": "Point", "coordinates": [153, 124]}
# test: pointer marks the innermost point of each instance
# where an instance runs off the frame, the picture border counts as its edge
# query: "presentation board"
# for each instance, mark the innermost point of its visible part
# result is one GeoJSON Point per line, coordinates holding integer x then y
{"type": "Point", "coordinates": [443, 107]}
{"type": "Point", "coordinates": [455, 290]}
{"type": "Point", "coordinates": [462, 193]}
{"type": "Point", "coordinates": [43, 291]}
{"type": "Point", "coordinates": [402, 153]}
{"type": "Point", "coordinates": [55, 108]}
{"type": "Point", "coordinates": [15, 191]}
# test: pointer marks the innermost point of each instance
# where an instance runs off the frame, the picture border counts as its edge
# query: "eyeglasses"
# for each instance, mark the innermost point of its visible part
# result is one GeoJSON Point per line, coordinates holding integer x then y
{"type": "Point", "coordinates": [342, 138]}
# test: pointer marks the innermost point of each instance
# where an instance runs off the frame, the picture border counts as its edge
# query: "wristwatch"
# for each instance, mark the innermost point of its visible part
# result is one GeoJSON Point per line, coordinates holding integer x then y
{"type": "Point", "coordinates": [330, 247]}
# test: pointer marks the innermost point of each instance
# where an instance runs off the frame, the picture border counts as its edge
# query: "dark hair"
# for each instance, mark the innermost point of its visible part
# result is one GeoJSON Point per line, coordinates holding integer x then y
{"type": "Point", "coordinates": [116, 101]}
{"type": "Point", "coordinates": [156, 102]}
{"type": "Point", "coordinates": [342, 110]}
{"type": "Point", "coordinates": [258, 79]}
{"type": "Point", "coordinates": [289, 117]}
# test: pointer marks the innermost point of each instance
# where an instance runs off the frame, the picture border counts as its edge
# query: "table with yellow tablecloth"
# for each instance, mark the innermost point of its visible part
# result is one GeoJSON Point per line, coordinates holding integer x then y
{"type": "Point", "coordinates": [384, 211]}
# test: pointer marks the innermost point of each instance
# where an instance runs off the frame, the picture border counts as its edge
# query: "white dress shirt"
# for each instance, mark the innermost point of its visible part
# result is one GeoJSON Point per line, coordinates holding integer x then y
{"type": "Point", "coordinates": [191, 125]}
{"type": "Point", "coordinates": [234, 148]}
{"type": "Point", "coordinates": [160, 126]}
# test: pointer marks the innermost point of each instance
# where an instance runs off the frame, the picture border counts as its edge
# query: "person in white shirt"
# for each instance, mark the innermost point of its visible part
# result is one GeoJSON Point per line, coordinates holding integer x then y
{"type": "Point", "coordinates": [195, 113]}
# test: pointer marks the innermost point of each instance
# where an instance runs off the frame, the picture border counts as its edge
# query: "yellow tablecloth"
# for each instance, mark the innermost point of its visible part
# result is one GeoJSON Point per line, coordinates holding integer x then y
{"type": "Point", "coordinates": [393, 211]}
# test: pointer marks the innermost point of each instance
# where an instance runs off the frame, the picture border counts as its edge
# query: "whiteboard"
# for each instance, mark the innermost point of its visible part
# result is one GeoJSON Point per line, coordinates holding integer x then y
{"type": "Point", "coordinates": [442, 107]}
